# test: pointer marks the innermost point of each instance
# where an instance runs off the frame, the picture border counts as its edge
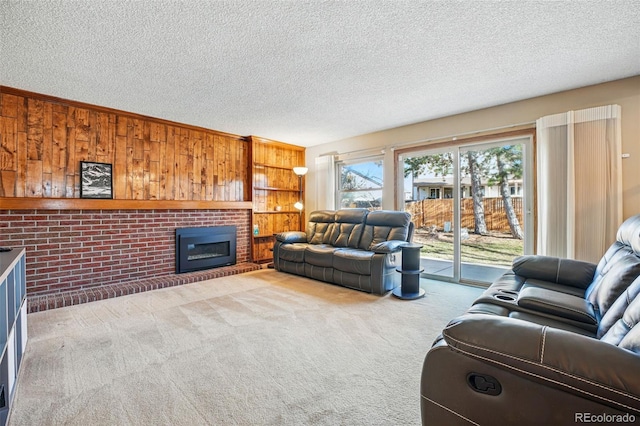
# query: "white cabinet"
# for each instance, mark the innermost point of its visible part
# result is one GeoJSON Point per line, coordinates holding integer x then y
{"type": "Point", "coordinates": [13, 324]}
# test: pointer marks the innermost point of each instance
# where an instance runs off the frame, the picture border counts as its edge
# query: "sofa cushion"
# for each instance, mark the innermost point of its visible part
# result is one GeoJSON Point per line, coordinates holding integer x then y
{"type": "Point", "coordinates": [318, 272]}
{"type": "Point", "coordinates": [627, 244]}
{"type": "Point", "coordinates": [547, 285]}
{"type": "Point", "coordinates": [631, 341]}
{"type": "Point", "coordinates": [550, 322]}
{"type": "Point", "coordinates": [384, 225]}
{"type": "Point", "coordinates": [626, 331]}
{"type": "Point", "coordinates": [348, 227]}
{"type": "Point", "coordinates": [320, 255]}
{"type": "Point", "coordinates": [618, 308]}
{"type": "Point", "coordinates": [351, 280]}
{"type": "Point", "coordinates": [320, 226]}
{"type": "Point", "coordinates": [610, 286]}
{"type": "Point", "coordinates": [293, 252]}
{"type": "Point", "coordinates": [353, 260]}
{"type": "Point", "coordinates": [629, 233]}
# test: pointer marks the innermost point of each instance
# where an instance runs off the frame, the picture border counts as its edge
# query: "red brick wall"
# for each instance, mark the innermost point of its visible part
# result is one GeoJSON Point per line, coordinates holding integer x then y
{"type": "Point", "coordinates": [70, 250]}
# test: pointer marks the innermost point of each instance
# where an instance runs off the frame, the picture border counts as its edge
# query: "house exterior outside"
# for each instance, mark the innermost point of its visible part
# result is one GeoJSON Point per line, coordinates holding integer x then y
{"type": "Point", "coordinates": [437, 188]}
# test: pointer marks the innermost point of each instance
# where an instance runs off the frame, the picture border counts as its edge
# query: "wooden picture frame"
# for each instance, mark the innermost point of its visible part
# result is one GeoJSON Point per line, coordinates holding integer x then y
{"type": "Point", "coordinates": [96, 180]}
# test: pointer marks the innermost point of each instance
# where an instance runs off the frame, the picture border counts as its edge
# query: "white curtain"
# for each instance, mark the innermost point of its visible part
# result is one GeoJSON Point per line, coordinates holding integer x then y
{"type": "Point", "coordinates": [579, 158]}
{"type": "Point", "coordinates": [325, 182]}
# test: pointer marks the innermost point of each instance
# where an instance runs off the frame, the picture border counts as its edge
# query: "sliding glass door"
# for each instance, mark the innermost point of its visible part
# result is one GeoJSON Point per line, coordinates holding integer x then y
{"type": "Point", "coordinates": [471, 205]}
{"type": "Point", "coordinates": [429, 187]}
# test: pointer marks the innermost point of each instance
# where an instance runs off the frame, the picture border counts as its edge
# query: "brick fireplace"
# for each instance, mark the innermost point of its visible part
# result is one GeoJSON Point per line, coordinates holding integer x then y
{"type": "Point", "coordinates": [73, 253]}
{"type": "Point", "coordinates": [200, 248]}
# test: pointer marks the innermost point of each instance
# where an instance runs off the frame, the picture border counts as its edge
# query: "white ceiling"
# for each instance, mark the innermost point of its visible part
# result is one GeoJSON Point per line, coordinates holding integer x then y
{"type": "Point", "coordinates": [309, 72]}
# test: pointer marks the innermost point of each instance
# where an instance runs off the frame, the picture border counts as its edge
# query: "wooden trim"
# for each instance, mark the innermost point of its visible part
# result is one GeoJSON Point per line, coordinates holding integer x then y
{"type": "Point", "coordinates": [271, 142]}
{"type": "Point", "coordinates": [95, 204]}
{"type": "Point", "coordinates": [98, 108]}
{"type": "Point", "coordinates": [519, 131]}
{"type": "Point", "coordinates": [526, 130]}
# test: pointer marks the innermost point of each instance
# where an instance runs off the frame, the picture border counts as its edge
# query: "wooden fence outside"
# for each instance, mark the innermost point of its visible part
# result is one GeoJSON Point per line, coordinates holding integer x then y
{"type": "Point", "coordinates": [436, 213]}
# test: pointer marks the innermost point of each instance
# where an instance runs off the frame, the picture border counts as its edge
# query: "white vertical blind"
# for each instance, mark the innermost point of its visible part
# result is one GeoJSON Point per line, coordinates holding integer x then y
{"type": "Point", "coordinates": [579, 164]}
{"type": "Point", "coordinates": [325, 182]}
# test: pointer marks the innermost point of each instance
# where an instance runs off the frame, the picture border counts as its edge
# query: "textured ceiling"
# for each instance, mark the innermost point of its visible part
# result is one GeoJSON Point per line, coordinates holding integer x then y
{"type": "Point", "coordinates": [308, 72]}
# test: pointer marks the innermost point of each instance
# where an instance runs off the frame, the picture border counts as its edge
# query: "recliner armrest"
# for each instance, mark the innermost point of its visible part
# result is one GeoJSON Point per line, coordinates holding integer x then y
{"type": "Point", "coordinates": [569, 272]}
{"type": "Point", "coordinates": [390, 246]}
{"type": "Point", "coordinates": [575, 363]}
{"type": "Point", "coordinates": [558, 304]}
{"type": "Point", "coordinates": [291, 237]}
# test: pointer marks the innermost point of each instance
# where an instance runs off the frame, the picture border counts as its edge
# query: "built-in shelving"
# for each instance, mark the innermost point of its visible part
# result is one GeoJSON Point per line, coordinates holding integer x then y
{"type": "Point", "coordinates": [13, 324]}
{"type": "Point", "coordinates": [275, 191]}
{"type": "Point", "coordinates": [260, 188]}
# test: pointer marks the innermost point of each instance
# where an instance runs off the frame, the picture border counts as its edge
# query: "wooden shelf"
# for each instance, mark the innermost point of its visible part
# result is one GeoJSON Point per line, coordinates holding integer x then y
{"type": "Point", "coordinates": [95, 204]}
{"type": "Point", "coordinates": [273, 166]}
{"type": "Point", "coordinates": [263, 236]}
{"type": "Point", "coordinates": [276, 212]}
{"type": "Point", "coordinates": [272, 188]}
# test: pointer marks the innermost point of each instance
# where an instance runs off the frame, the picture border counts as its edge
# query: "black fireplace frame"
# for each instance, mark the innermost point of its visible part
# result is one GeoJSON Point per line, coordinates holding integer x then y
{"type": "Point", "coordinates": [204, 235]}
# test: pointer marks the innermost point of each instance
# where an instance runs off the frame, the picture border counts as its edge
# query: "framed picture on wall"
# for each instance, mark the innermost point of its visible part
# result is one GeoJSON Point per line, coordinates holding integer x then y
{"type": "Point", "coordinates": [96, 180]}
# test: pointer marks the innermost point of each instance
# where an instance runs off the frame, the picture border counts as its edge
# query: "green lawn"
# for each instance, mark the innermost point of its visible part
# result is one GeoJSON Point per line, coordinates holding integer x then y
{"type": "Point", "coordinates": [488, 250]}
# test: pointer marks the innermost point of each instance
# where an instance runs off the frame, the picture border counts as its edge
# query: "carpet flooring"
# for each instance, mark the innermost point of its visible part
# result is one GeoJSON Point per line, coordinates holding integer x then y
{"type": "Point", "coordinates": [259, 348]}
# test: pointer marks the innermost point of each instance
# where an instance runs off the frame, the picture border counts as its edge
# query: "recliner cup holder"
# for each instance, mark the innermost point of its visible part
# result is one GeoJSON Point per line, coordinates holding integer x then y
{"type": "Point", "coordinates": [506, 297]}
{"type": "Point", "coordinates": [511, 292]}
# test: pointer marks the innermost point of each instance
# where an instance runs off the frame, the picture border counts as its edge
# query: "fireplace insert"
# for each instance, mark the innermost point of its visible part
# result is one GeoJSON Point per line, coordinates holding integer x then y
{"type": "Point", "coordinates": [205, 248]}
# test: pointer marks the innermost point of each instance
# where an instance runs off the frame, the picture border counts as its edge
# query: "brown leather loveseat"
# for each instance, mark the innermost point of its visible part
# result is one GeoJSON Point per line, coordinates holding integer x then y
{"type": "Point", "coordinates": [554, 341]}
{"type": "Point", "coordinates": [354, 248]}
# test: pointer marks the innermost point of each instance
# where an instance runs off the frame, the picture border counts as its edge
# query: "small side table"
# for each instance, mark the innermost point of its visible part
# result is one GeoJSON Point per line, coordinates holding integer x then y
{"type": "Point", "coordinates": [410, 286]}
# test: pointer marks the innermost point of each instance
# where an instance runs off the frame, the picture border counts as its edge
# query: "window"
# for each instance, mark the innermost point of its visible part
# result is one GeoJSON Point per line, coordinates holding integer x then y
{"type": "Point", "coordinates": [360, 185]}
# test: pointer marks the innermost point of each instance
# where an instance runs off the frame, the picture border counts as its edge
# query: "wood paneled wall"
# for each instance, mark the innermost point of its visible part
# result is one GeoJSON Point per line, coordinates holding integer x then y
{"type": "Point", "coordinates": [277, 154]}
{"type": "Point", "coordinates": [43, 139]}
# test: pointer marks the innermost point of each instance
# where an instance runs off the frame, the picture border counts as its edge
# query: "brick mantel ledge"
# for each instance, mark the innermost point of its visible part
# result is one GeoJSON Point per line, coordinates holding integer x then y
{"type": "Point", "coordinates": [33, 203]}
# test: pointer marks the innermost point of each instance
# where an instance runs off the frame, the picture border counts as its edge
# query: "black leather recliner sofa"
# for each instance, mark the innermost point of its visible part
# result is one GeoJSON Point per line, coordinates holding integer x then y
{"type": "Point", "coordinates": [354, 248]}
{"type": "Point", "coordinates": [554, 341]}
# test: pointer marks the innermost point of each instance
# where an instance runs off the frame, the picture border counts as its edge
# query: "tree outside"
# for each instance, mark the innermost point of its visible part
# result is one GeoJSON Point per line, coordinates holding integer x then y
{"type": "Point", "coordinates": [494, 234]}
{"type": "Point", "coordinates": [361, 185]}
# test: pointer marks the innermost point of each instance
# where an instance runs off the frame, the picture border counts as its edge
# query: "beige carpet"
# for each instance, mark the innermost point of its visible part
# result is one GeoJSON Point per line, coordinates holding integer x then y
{"type": "Point", "coordinates": [261, 348]}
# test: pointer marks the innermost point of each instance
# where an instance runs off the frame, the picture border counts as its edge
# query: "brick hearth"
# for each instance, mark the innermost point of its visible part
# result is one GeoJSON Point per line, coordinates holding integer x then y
{"type": "Point", "coordinates": [78, 256]}
{"type": "Point", "coordinates": [58, 300]}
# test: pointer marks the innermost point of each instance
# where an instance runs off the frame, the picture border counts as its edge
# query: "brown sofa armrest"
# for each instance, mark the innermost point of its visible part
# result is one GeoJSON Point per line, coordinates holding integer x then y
{"type": "Point", "coordinates": [574, 273]}
{"type": "Point", "coordinates": [391, 246]}
{"type": "Point", "coordinates": [575, 363]}
{"type": "Point", "coordinates": [558, 304]}
{"type": "Point", "coordinates": [292, 237]}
